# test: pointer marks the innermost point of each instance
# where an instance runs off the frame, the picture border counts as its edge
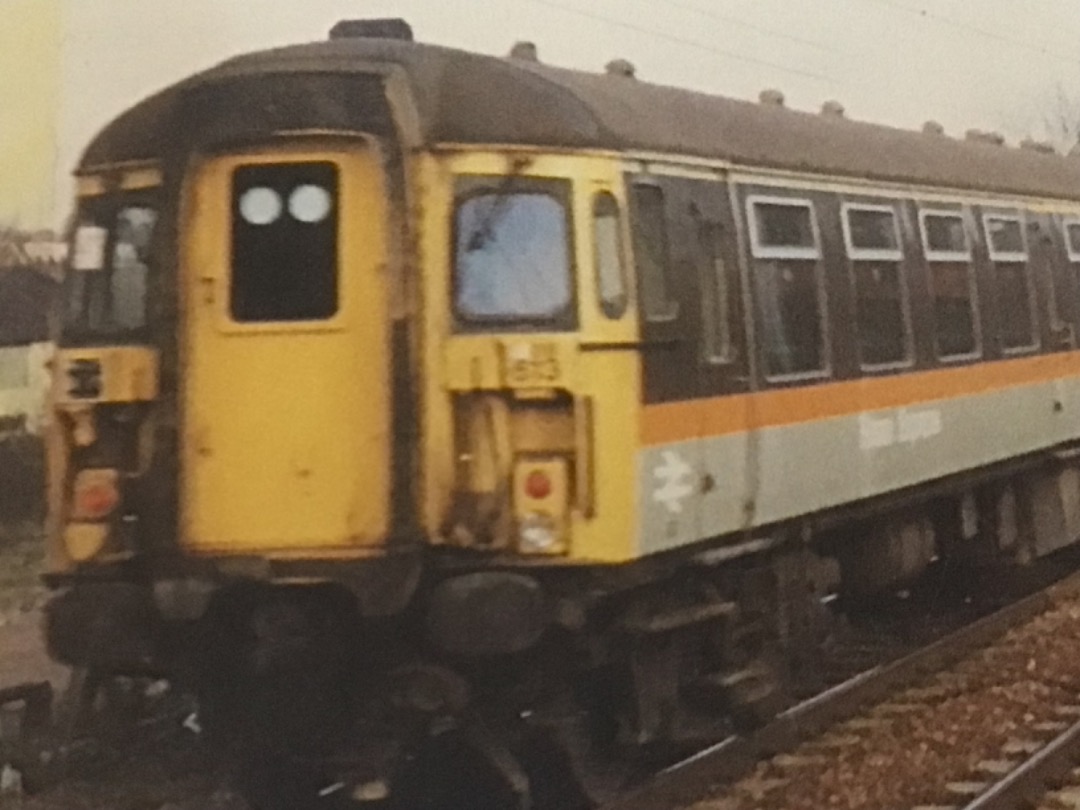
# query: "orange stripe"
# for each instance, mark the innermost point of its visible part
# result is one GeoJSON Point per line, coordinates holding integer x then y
{"type": "Point", "coordinates": [719, 416]}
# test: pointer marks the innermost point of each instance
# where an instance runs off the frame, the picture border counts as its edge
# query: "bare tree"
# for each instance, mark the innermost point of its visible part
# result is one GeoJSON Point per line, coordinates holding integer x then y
{"type": "Point", "coordinates": [1062, 121]}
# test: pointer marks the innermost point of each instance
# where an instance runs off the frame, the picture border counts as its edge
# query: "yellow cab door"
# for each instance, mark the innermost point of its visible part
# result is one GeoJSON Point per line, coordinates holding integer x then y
{"type": "Point", "coordinates": [285, 367]}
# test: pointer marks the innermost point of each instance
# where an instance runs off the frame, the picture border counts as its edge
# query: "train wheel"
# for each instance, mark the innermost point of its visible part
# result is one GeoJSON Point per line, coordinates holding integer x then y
{"type": "Point", "coordinates": [473, 768]}
{"type": "Point", "coordinates": [274, 682]}
{"type": "Point", "coordinates": [458, 770]}
{"type": "Point", "coordinates": [282, 782]}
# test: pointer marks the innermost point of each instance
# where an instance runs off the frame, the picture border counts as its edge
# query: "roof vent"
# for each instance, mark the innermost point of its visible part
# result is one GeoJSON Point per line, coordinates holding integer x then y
{"type": "Point", "coordinates": [388, 28]}
{"type": "Point", "coordinates": [1044, 147]}
{"type": "Point", "coordinates": [525, 51]}
{"type": "Point", "coordinates": [978, 136]}
{"type": "Point", "coordinates": [771, 98]}
{"type": "Point", "coordinates": [832, 109]}
{"type": "Point", "coordinates": [621, 67]}
{"type": "Point", "coordinates": [933, 128]}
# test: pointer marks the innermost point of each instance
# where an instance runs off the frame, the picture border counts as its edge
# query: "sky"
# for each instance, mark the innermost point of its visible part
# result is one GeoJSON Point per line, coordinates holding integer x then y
{"type": "Point", "coordinates": [29, 104]}
{"type": "Point", "coordinates": [986, 64]}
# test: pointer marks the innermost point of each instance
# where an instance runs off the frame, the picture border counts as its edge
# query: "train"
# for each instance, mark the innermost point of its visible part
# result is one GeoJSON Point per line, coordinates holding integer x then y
{"type": "Point", "coordinates": [468, 431]}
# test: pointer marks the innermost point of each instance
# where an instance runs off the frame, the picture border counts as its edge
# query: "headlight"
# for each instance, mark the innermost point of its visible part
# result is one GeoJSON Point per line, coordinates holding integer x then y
{"type": "Point", "coordinates": [538, 534]}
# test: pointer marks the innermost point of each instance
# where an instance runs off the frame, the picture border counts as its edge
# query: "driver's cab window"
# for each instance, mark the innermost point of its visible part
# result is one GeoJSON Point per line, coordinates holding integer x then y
{"type": "Point", "coordinates": [513, 252]}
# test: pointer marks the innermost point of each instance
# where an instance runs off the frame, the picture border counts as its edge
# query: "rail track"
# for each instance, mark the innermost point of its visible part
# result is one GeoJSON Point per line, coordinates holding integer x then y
{"type": "Point", "coordinates": [817, 731]}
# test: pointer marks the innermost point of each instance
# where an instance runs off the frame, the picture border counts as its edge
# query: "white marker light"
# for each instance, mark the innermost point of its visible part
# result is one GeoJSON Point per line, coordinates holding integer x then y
{"type": "Point", "coordinates": [260, 205]}
{"type": "Point", "coordinates": [309, 203]}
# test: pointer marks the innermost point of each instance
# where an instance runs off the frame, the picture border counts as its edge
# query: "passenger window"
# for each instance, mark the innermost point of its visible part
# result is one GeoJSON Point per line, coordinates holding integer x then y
{"type": "Point", "coordinates": [607, 234]}
{"type": "Point", "coordinates": [1072, 239]}
{"type": "Point", "coordinates": [788, 285]}
{"type": "Point", "coordinates": [952, 283]}
{"type": "Point", "coordinates": [284, 242]}
{"type": "Point", "coordinates": [1012, 281]}
{"type": "Point", "coordinates": [872, 239]}
{"type": "Point", "coordinates": [651, 254]}
{"type": "Point", "coordinates": [716, 299]}
{"type": "Point", "coordinates": [783, 229]}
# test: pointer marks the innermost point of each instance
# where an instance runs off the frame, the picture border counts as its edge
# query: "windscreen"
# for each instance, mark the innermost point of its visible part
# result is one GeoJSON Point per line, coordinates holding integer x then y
{"type": "Point", "coordinates": [110, 270]}
{"type": "Point", "coordinates": [512, 253]}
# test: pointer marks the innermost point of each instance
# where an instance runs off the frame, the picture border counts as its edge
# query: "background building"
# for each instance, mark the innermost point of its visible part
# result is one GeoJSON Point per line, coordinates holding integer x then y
{"type": "Point", "coordinates": [29, 281]}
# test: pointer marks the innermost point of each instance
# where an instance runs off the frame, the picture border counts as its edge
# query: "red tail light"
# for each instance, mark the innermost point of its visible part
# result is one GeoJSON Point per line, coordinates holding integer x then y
{"type": "Point", "coordinates": [538, 485]}
{"type": "Point", "coordinates": [96, 494]}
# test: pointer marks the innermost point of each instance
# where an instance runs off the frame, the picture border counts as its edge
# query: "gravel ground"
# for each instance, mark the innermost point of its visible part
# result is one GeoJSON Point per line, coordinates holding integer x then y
{"type": "Point", "coordinates": [168, 770]}
{"type": "Point", "coordinates": [904, 752]}
{"type": "Point", "coordinates": [22, 657]}
{"type": "Point", "coordinates": [166, 777]}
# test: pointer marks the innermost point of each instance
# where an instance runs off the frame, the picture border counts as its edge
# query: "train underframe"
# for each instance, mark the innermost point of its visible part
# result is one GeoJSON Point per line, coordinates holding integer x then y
{"type": "Point", "coordinates": [540, 687]}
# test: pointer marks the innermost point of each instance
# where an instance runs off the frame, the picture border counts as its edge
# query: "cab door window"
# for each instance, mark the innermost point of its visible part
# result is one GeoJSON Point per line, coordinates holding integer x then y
{"type": "Point", "coordinates": [284, 242]}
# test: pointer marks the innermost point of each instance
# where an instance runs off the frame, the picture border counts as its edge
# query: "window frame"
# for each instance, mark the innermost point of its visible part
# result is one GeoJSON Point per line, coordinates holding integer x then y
{"type": "Point", "coordinates": [762, 251]}
{"type": "Point", "coordinates": [871, 254]}
{"type": "Point", "coordinates": [945, 255]}
{"type": "Point", "coordinates": [856, 255]}
{"type": "Point", "coordinates": [1007, 256]}
{"type": "Point", "coordinates": [1072, 255]}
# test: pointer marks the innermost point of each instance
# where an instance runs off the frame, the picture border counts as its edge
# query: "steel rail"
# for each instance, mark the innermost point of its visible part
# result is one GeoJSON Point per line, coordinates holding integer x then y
{"type": "Point", "coordinates": [736, 756]}
{"type": "Point", "coordinates": [1020, 787]}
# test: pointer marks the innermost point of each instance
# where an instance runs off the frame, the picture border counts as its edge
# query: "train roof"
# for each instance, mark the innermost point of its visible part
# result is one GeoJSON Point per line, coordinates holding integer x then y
{"type": "Point", "coordinates": [470, 98]}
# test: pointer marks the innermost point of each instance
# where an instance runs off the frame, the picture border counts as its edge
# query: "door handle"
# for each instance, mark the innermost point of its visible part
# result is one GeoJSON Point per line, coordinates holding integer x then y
{"type": "Point", "coordinates": [206, 289]}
